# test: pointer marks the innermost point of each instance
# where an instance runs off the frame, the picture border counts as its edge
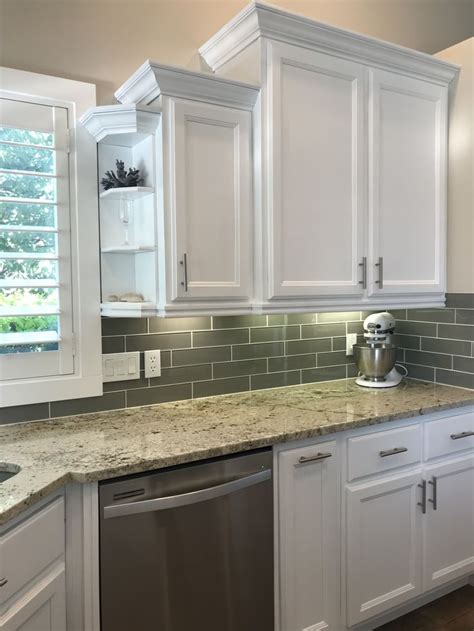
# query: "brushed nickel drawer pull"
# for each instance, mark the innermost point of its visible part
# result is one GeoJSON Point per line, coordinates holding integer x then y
{"type": "Point", "coordinates": [319, 456]}
{"type": "Point", "coordinates": [363, 282]}
{"type": "Point", "coordinates": [422, 486]}
{"type": "Point", "coordinates": [434, 500]}
{"type": "Point", "coordinates": [3, 581]}
{"type": "Point", "coordinates": [184, 263]}
{"type": "Point", "coordinates": [461, 435]}
{"type": "Point", "coordinates": [379, 282]}
{"type": "Point", "coordinates": [393, 452]}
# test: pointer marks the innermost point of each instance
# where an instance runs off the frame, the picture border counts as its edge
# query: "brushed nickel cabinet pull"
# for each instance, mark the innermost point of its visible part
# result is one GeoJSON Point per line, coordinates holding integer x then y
{"type": "Point", "coordinates": [3, 581]}
{"type": "Point", "coordinates": [363, 282]}
{"type": "Point", "coordinates": [422, 486]}
{"type": "Point", "coordinates": [319, 456]}
{"type": "Point", "coordinates": [184, 263]}
{"type": "Point", "coordinates": [393, 452]}
{"type": "Point", "coordinates": [379, 282]}
{"type": "Point", "coordinates": [461, 435]}
{"type": "Point", "coordinates": [434, 484]}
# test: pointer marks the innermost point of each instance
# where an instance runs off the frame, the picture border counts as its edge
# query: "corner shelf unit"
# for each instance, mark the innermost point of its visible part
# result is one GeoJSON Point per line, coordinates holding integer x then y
{"type": "Point", "coordinates": [128, 193]}
{"type": "Point", "coordinates": [127, 215]}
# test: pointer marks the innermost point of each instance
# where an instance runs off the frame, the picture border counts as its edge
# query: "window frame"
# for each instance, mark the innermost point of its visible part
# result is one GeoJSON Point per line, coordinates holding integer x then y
{"type": "Point", "coordinates": [86, 378]}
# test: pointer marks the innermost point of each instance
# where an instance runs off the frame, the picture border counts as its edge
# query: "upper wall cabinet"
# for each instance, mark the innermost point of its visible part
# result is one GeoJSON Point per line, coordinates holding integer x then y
{"type": "Point", "coordinates": [315, 168]}
{"type": "Point", "coordinates": [407, 185]}
{"type": "Point", "coordinates": [350, 154]}
{"type": "Point", "coordinates": [199, 173]}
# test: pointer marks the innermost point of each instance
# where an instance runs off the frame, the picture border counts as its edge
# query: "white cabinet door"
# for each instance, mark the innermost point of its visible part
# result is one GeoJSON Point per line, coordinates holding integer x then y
{"type": "Point", "coordinates": [43, 608]}
{"type": "Point", "coordinates": [407, 185]}
{"type": "Point", "coordinates": [314, 112]}
{"type": "Point", "coordinates": [383, 544]}
{"type": "Point", "coordinates": [449, 524]}
{"type": "Point", "coordinates": [210, 202]}
{"type": "Point", "coordinates": [309, 538]}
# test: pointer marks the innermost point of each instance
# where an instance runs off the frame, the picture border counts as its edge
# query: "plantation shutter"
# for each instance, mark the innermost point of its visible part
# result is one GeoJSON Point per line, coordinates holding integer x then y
{"type": "Point", "coordinates": [36, 327]}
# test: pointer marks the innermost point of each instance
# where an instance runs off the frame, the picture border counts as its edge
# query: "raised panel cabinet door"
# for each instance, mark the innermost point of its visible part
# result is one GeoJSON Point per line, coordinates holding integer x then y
{"type": "Point", "coordinates": [43, 608]}
{"type": "Point", "coordinates": [383, 544]}
{"type": "Point", "coordinates": [212, 201]}
{"type": "Point", "coordinates": [315, 110]}
{"type": "Point", "coordinates": [449, 523]}
{"type": "Point", "coordinates": [309, 538]}
{"type": "Point", "coordinates": [407, 185]}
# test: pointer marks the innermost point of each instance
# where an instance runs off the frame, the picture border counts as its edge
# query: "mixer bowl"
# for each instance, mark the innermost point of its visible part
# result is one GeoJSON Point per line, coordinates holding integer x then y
{"type": "Point", "coordinates": [376, 361]}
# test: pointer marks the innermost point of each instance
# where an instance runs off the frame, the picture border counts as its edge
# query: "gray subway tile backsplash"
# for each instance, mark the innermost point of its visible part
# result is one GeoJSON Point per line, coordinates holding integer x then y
{"type": "Point", "coordinates": [221, 386]}
{"type": "Point", "coordinates": [205, 356]}
{"type": "Point", "coordinates": [275, 333]}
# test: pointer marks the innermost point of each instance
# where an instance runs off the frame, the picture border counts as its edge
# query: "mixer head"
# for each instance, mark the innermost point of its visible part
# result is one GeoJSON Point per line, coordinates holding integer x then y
{"type": "Point", "coordinates": [379, 327]}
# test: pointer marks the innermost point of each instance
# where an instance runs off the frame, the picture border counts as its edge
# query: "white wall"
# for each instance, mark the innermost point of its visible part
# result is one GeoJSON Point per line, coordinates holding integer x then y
{"type": "Point", "coordinates": [104, 41]}
{"type": "Point", "coordinates": [461, 172]}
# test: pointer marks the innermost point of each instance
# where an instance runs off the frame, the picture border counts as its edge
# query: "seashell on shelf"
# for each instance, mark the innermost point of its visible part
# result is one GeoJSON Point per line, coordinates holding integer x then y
{"type": "Point", "coordinates": [132, 297]}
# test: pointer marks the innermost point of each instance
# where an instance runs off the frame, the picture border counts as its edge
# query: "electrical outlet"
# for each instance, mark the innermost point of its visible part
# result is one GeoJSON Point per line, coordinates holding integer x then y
{"type": "Point", "coordinates": [152, 364]}
{"type": "Point", "coordinates": [351, 339]}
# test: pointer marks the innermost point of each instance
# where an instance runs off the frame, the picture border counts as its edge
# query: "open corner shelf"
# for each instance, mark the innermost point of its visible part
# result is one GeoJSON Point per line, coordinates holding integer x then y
{"type": "Point", "coordinates": [128, 309]}
{"type": "Point", "coordinates": [127, 193]}
{"type": "Point", "coordinates": [128, 249]}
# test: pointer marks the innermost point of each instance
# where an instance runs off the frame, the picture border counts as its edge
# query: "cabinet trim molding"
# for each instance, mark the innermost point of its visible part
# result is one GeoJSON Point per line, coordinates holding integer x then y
{"type": "Point", "coordinates": [152, 80]}
{"type": "Point", "coordinates": [109, 120]}
{"type": "Point", "coordinates": [261, 20]}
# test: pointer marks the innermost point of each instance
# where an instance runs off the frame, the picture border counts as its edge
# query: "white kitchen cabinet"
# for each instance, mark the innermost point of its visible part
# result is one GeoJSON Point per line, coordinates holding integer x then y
{"type": "Point", "coordinates": [42, 609]}
{"type": "Point", "coordinates": [206, 206]}
{"type": "Point", "coordinates": [407, 185]}
{"type": "Point", "coordinates": [350, 155]}
{"type": "Point", "coordinates": [449, 523]}
{"type": "Point", "coordinates": [316, 173]}
{"type": "Point", "coordinates": [32, 570]}
{"type": "Point", "coordinates": [308, 537]}
{"type": "Point", "coordinates": [195, 255]}
{"type": "Point", "coordinates": [384, 545]}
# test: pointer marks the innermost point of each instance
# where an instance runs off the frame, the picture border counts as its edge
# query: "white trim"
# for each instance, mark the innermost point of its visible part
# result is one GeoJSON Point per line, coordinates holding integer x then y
{"type": "Point", "coordinates": [264, 20]}
{"type": "Point", "coordinates": [114, 120]}
{"type": "Point", "coordinates": [153, 79]}
{"type": "Point", "coordinates": [82, 557]}
{"type": "Point", "coordinates": [86, 380]}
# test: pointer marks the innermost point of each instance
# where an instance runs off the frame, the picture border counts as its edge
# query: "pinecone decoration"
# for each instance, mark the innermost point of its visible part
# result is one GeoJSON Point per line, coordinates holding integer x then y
{"type": "Point", "coordinates": [122, 178]}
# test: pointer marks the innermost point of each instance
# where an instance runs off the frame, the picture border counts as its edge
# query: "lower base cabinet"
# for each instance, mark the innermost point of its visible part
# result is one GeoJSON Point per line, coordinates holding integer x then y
{"type": "Point", "coordinates": [309, 537]}
{"type": "Point", "coordinates": [403, 527]}
{"type": "Point", "coordinates": [32, 569]}
{"type": "Point", "coordinates": [43, 608]}
{"type": "Point", "coordinates": [449, 523]}
{"type": "Point", "coordinates": [383, 535]}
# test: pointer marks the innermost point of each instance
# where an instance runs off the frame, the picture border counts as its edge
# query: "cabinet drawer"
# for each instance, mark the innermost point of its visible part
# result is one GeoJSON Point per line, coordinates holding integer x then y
{"type": "Point", "coordinates": [449, 435]}
{"type": "Point", "coordinates": [382, 451]}
{"type": "Point", "coordinates": [30, 547]}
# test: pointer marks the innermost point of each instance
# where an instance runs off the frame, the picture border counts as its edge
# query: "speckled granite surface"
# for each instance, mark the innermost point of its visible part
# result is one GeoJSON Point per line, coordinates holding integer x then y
{"type": "Point", "coordinates": [94, 447]}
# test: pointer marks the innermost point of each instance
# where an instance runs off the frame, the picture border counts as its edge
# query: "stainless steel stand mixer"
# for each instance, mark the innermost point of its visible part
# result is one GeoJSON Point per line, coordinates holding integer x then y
{"type": "Point", "coordinates": [376, 358]}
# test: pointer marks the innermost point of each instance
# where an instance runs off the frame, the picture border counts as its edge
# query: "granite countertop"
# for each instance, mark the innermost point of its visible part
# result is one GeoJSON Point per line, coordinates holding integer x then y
{"type": "Point", "coordinates": [93, 447]}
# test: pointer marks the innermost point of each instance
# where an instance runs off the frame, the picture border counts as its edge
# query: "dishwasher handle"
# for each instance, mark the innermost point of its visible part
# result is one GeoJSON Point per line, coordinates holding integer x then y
{"type": "Point", "coordinates": [185, 499]}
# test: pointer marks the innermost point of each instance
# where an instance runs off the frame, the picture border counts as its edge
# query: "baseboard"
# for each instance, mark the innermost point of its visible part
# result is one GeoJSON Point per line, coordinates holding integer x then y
{"type": "Point", "coordinates": [422, 600]}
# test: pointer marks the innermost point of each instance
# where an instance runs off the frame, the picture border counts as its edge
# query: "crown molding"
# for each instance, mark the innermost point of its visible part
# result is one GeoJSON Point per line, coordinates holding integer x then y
{"type": "Point", "coordinates": [263, 20]}
{"type": "Point", "coordinates": [152, 80]}
{"type": "Point", "coordinates": [120, 121]}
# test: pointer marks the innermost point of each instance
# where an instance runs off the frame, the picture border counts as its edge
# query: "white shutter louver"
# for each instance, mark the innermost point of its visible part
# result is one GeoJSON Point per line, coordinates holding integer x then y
{"type": "Point", "coordinates": [35, 264]}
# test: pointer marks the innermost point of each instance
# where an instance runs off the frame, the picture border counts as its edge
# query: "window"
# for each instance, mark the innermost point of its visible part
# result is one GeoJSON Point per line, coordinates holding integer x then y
{"type": "Point", "coordinates": [49, 294]}
{"type": "Point", "coordinates": [35, 281]}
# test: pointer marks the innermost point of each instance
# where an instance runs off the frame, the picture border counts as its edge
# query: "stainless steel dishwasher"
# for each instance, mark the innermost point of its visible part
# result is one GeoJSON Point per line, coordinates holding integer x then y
{"type": "Point", "coordinates": [190, 547]}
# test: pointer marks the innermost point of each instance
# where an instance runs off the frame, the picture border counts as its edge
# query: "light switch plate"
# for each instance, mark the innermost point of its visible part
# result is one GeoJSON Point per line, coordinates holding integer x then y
{"type": "Point", "coordinates": [351, 339]}
{"type": "Point", "coordinates": [121, 366]}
